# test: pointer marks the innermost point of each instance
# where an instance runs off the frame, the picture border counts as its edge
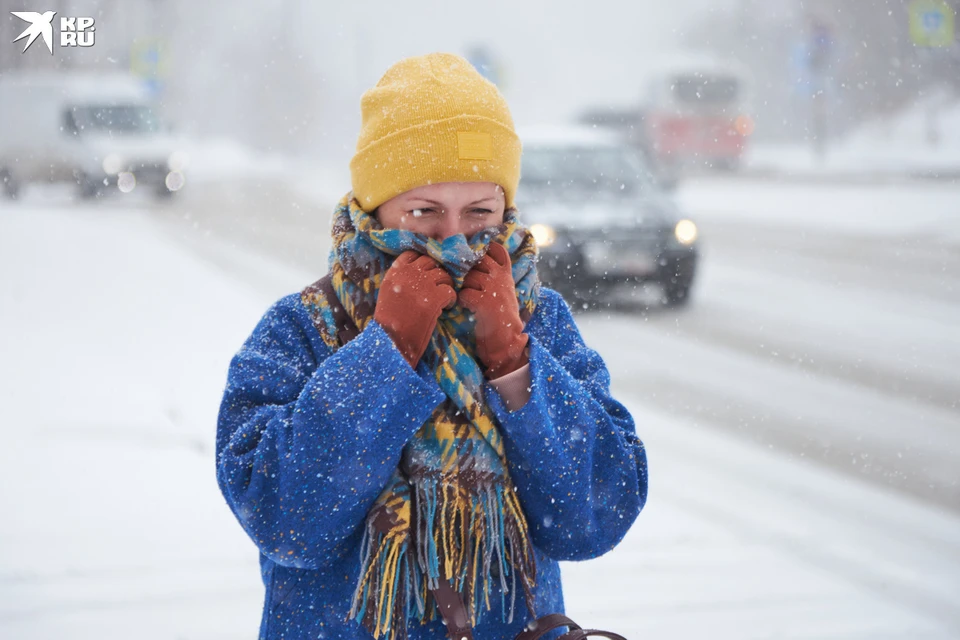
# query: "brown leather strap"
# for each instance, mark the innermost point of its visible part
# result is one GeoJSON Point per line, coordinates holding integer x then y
{"type": "Point", "coordinates": [548, 623]}
{"type": "Point", "coordinates": [453, 612]}
{"type": "Point", "coordinates": [346, 329]}
{"type": "Point", "coordinates": [545, 625]}
{"type": "Point", "coordinates": [454, 615]}
{"type": "Point", "coordinates": [580, 634]}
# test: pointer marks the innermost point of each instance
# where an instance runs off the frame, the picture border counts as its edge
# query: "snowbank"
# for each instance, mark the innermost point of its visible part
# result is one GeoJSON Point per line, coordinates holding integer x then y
{"type": "Point", "coordinates": [895, 146]}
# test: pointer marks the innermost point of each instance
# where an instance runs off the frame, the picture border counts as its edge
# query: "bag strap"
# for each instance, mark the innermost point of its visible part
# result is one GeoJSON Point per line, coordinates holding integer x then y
{"type": "Point", "coordinates": [548, 623]}
{"type": "Point", "coordinates": [545, 625]}
{"type": "Point", "coordinates": [452, 611]}
{"type": "Point", "coordinates": [454, 615]}
{"type": "Point", "coordinates": [346, 329]}
{"type": "Point", "coordinates": [580, 634]}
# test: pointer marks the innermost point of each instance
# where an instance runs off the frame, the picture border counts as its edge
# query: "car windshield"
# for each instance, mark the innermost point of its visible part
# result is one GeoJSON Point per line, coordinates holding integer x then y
{"type": "Point", "coordinates": [114, 118]}
{"type": "Point", "coordinates": [702, 89]}
{"type": "Point", "coordinates": [611, 170]}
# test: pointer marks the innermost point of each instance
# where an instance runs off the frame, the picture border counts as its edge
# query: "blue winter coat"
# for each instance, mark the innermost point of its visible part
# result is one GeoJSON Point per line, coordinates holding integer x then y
{"type": "Point", "coordinates": [307, 438]}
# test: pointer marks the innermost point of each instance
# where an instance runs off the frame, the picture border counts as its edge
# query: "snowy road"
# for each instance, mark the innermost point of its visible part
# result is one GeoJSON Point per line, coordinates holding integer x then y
{"type": "Point", "coordinates": [118, 322]}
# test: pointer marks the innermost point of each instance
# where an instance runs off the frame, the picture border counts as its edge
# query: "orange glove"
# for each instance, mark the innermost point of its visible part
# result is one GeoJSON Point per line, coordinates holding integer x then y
{"type": "Point", "coordinates": [415, 290]}
{"type": "Point", "coordinates": [489, 292]}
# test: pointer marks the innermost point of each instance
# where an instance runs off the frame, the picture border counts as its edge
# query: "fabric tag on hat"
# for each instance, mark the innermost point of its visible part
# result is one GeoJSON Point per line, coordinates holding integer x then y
{"type": "Point", "coordinates": [474, 145]}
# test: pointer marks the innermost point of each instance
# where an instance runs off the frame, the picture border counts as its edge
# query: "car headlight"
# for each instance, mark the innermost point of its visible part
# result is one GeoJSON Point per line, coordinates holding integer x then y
{"type": "Point", "coordinates": [685, 232]}
{"type": "Point", "coordinates": [112, 164]}
{"type": "Point", "coordinates": [177, 161]}
{"type": "Point", "coordinates": [543, 234]}
{"type": "Point", "coordinates": [174, 181]}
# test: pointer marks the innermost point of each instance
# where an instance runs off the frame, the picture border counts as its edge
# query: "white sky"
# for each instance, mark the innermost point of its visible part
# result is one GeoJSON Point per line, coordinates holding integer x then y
{"type": "Point", "coordinates": [556, 55]}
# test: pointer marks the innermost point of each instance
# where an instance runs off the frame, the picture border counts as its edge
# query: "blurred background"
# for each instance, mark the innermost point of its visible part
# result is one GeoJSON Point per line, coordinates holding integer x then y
{"type": "Point", "coordinates": [752, 207]}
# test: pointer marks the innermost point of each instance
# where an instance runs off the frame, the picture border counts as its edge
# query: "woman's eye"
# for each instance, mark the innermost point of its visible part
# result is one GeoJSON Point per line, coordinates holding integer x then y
{"type": "Point", "coordinates": [417, 213]}
{"type": "Point", "coordinates": [481, 212]}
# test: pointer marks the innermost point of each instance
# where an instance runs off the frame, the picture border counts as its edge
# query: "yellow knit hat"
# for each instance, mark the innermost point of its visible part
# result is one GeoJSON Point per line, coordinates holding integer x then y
{"type": "Point", "coordinates": [433, 119]}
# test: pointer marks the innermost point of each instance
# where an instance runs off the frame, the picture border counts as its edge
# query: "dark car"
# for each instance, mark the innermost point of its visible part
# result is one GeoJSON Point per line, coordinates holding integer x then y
{"type": "Point", "coordinates": [600, 219]}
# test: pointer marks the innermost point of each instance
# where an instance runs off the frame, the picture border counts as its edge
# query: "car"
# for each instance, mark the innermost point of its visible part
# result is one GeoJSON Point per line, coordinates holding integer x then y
{"type": "Point", "coordinates": [695, 112]}
{"type": "Point", "coordinates": [600, 218]}
{"type": "Point", "coordinates": [99, 131]}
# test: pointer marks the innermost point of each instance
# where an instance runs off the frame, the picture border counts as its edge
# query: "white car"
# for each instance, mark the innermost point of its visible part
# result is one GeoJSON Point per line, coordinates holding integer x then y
{"type": "Point", "coordinates": [99, 131]}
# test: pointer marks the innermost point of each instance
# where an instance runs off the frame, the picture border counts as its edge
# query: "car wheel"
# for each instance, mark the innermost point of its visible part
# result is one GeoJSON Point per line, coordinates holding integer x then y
{"type": "Point", "coordinates": [582, 305]}
{"type": "Point", "coordinates": [11, 188]}
{"type": "Point", "coordinates": [88, 188]}
{"type": "Point", "coordinates": [676, 295]}
{"type": "Point", "coordinates": [587, 299]}
{"type": "Point", "coordinates": [574, 299]}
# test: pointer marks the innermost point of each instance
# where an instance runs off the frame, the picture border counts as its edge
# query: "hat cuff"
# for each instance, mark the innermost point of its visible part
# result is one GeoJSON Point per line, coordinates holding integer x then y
{"type": "Point", "coordinates": [429, 153]}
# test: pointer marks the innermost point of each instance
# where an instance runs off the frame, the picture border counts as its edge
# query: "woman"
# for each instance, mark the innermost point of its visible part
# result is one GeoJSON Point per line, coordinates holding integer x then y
{"type": "Point", "coordinates": [425, 424]}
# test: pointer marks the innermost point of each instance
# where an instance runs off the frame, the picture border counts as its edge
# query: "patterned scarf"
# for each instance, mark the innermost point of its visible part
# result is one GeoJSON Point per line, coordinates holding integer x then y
{"type": "Point", "coordinates": [449, 511]}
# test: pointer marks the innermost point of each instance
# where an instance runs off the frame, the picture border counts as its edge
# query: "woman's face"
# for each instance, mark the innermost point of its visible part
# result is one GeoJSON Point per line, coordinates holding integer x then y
{"type": "Point", "coordinates": [446, 209]}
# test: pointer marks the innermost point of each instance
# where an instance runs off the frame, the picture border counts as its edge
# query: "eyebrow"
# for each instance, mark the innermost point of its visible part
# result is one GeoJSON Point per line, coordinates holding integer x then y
{"type": "Point", "coordinates": [440, 204]}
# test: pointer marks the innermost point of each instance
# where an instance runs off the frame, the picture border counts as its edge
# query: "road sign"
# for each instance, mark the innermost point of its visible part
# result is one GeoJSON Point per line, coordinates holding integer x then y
{"type": "Point", "coordinates": [147, 58]}
{"type": "Point", "coordinates": [147, 61]}
{"type": "Point", "coordinates": [931, 23]}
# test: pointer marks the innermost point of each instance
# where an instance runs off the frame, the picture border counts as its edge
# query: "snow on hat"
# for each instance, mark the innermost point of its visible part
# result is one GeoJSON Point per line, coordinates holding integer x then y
{"type": "Point", "coordinates": [433, 119]}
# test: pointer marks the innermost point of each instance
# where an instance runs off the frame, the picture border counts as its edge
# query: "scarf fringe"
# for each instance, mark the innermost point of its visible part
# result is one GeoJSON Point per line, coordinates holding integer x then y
{"type": "Point", "coordinates": [461, 537]}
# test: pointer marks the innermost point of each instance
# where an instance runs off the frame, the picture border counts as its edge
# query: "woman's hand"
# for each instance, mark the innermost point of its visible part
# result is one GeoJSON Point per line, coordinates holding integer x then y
{"type": "Point", "coordinates": [415, 290]}
{"type": "Point", "coordinates": [490, 293]}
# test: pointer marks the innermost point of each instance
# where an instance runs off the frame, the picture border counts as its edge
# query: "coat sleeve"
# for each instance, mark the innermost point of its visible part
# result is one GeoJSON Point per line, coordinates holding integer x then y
{"type": "Point", "coordinates": [574, 456]}
{"type": "Point", "coordinates": [307, 438]}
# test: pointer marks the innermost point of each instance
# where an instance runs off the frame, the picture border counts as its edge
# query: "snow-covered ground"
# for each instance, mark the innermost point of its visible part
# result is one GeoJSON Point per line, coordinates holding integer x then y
{"type": "Point", "coordinates": [118, 323]}
{"type": "Point", "coordinates": [926, 210]}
